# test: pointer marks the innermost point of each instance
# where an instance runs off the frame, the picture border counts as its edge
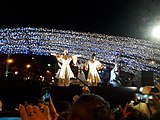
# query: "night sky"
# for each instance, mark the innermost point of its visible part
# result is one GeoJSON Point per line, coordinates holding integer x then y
{"type": "Point", "coordinates": [129, 18]}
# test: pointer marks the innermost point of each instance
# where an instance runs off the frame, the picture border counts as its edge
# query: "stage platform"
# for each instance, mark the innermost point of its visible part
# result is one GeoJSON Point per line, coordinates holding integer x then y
{"type": "Point", "coordinates": [12, 96]}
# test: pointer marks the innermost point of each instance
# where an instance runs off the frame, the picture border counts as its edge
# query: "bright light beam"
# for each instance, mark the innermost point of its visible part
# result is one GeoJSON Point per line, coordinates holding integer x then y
{"type": "Point", "coordinates": [156, 32]}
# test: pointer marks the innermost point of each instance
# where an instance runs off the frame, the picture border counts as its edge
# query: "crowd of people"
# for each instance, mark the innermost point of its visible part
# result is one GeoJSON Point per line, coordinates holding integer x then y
{"type": "Point", "coordinates": [91, 106]}
{"type": "Point", "coordinates": [133, 54]}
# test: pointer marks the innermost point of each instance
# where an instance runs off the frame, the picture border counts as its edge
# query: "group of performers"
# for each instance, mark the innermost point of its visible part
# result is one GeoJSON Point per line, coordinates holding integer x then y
{"type": "Point", "coordinates": [65, 73]}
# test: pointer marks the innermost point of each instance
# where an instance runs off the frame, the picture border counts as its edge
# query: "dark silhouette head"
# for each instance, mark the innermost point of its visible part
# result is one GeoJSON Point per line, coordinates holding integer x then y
{"type": "Point", "coordinates": [90, 107]}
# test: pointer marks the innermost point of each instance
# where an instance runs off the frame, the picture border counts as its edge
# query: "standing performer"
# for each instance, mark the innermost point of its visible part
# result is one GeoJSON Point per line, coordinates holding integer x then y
{"type": "Point", "coordinates": [65, 72]}
{"type": "Point", "coordinates": [93, 66]}
{"type": "Point", "coordinates": [114, 73]}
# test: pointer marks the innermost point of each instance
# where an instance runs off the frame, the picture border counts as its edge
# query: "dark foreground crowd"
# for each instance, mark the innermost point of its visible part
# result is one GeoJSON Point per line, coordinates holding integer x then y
{"type": "Point", "coordinates": [90, 106]}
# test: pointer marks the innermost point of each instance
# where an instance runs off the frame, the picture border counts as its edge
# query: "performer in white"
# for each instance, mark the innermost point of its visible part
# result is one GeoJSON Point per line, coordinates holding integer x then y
{"type": "Point", "coordinates": [65, 72]}
{"type": "Point", "coordinates": [113, 73]}
{"type": "Point", "coordinates": [113, 76]}
{"type": "Point", "coordinates": [93, 66]}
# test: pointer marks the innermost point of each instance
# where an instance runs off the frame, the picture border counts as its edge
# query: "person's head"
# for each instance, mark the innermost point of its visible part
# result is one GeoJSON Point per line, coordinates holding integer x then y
{"type": "Point", "coordinates": [90, 107]}
{"type": "Point", "coordinates": [66, 52]}
{"type": "Point", "coordinates": [93, 56]}
{"type": "Point", "coordinates": [62, 108]}
{"type": "Point", "coordinates": [57, 55]}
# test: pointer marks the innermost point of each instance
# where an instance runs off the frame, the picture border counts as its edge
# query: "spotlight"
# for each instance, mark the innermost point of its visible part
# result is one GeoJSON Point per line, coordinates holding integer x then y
{"type": "Point", "coordinates": [156, 32]}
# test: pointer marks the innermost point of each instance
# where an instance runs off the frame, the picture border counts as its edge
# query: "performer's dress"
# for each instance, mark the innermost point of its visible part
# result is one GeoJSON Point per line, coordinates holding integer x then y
{"type": "Point", "coordinates": [65, 73]}
{"type": "Point", "coordinates": [93, 76]}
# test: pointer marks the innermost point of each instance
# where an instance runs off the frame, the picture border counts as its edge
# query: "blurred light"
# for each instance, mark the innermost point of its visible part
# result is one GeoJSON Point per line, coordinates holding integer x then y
{"type": "Point", "coordinates": [52, 81]}
{"type": "Point", "coordinates": [138, 97]}
{"type": "Point", "coordinates": [152, 62]}
{"type": "Point", "coordinates": [145, 96]}
{"type": "Point", "coordinates": [48, 71]}
{"type": "Point", "coordinates": [132, 88]}
{"type": "Point", "coordinates": [141, 89]}
{"type": "Point", "coordinates": [42, 79]}
{"type": "Point", "coordinates": [9, 61]}
{"type": "Point", "coordinates": [28, 66]}
{"type": "Point", "coordinates": [49, 65]}
{"type": "Point", "coordinates": [16, 72]}
{"type": "Point", "coordinates": [156, 32]}
{"type": "Point", "coordinates": [150, 97]}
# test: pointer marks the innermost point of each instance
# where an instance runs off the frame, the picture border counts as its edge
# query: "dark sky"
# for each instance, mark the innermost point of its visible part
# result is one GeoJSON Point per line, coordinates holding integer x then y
{"type": "Point", "coordinates": [133, 18]}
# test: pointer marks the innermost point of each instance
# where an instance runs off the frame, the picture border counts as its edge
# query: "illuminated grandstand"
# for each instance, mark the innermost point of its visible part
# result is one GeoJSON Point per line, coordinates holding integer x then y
{"type": "Point", "coordinates": [133, 54]}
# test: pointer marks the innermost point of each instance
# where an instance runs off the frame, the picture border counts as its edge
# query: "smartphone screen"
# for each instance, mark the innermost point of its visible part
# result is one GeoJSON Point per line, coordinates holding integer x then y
{"type": "Point", "coordinates": [143, 97]}
{"type": "Point", "coordinates": [46, 93]}
{"type": "Point", "coordinates": [10, 118]}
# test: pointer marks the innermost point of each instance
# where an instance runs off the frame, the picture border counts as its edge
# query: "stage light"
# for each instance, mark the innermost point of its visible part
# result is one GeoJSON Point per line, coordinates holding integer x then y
{"type": "Point", "coordinates": [156, 32]}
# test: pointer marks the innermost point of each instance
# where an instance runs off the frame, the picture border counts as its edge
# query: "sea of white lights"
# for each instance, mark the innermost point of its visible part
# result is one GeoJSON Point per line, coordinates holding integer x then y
{"type": "Point", "coordinates": [132, 54]}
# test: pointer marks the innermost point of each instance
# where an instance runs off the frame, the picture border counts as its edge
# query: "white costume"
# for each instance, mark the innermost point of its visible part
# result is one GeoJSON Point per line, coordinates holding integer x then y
{"type": "Point", "coordinates": [113, 76]}
{"type": "Point", "coordinates": [65, 73]}
{"type": "Point", "coordinates": [93, 76]}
